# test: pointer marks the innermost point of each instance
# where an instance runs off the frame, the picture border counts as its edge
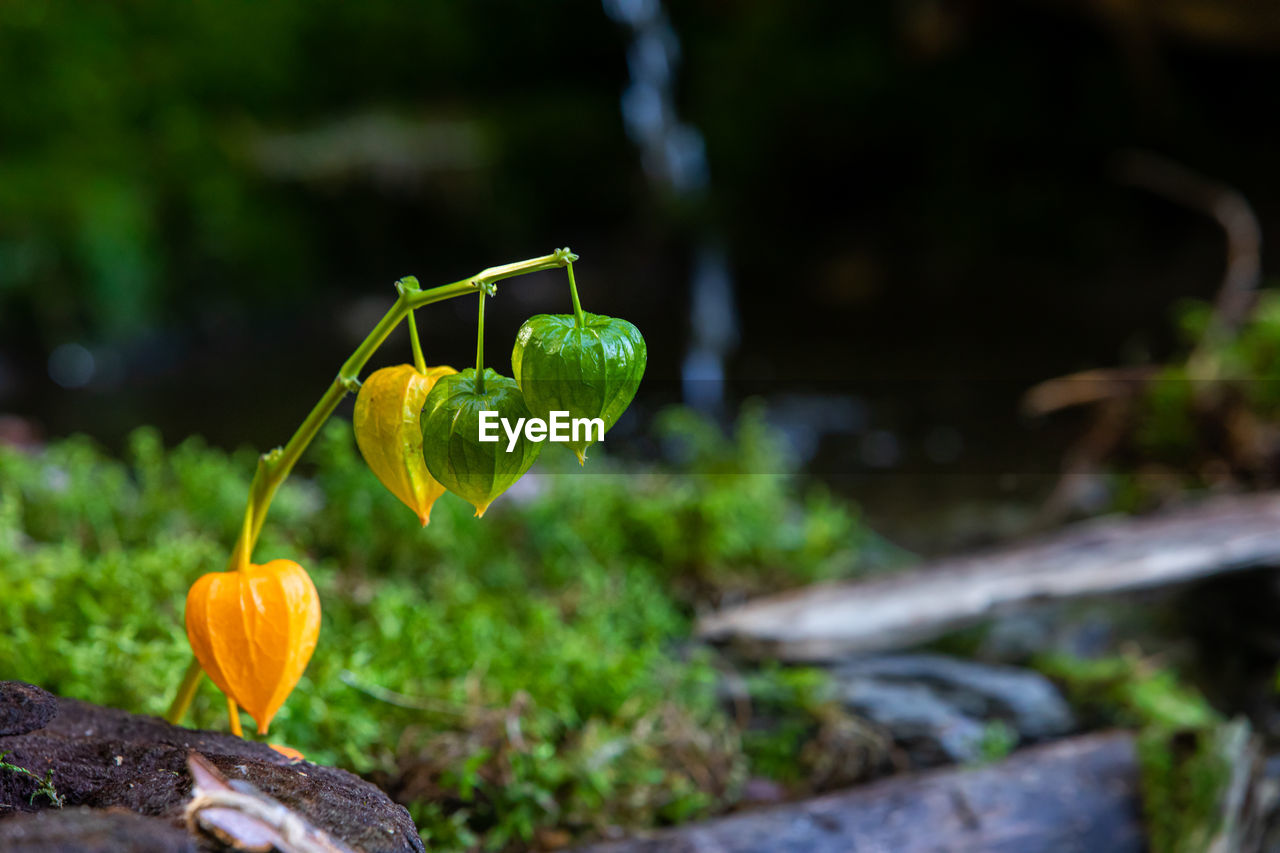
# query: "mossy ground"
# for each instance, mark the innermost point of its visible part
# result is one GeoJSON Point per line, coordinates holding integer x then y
{"type": "Point", "coordinates": [516, 677]}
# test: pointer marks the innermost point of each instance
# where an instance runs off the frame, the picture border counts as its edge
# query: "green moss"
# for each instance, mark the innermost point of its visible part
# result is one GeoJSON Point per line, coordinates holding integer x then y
{"type": "Point", "coordinates": [796, 731]}
{"type": "Point", "coordinates": [1125, 690]}
{"type": "Point", "coordinates": [1180, 741]}
{"type": "Point", "coordinates": [44, 784]}
{"type": "Point", "coordinates": [785, 706]}
{"type": "Point", "coordinates": [999, 739]}
{"type": "Point", "coordinates": [517, 674]}
{"type": "Point", "coordinates": [1168, 426]}
{"type": "Point", "coordinates": [1184, 775]}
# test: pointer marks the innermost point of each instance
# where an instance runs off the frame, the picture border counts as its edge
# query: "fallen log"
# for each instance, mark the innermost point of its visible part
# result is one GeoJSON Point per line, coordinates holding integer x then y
{"type": "Point", "coordinates": [1110, 555]}
{"type": "Point", "coordinates": [1073, 795]}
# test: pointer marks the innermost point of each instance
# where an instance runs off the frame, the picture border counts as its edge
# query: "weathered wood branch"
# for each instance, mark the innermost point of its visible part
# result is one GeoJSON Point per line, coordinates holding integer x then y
{"type": "Point", "coordinates": [1098, 557]}
{"type": "Point", "coordinates": [1078, 794]}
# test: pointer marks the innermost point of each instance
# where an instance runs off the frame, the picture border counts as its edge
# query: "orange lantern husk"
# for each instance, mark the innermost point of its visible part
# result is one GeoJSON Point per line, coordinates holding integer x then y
{"type": "Point", "coordinates": [253, 631]}
{"type": "Point", "coordinates": [388, 433]}
{"type": "Point", "coordinates": [288, 752]}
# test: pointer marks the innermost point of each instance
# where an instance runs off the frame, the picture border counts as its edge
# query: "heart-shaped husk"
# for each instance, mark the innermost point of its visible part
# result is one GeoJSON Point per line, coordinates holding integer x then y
{"type": "Point", "coordinates": [589, 371]}
{"type": "Point", "coordinates": [474, 470]}
{"type": "Point", "coordinates": [253, 632]}
{"type": "Point", "coordinates": [388, 433]}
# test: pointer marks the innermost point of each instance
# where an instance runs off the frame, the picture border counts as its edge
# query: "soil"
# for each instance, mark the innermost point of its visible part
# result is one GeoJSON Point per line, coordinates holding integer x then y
{"type": "Point", "coordinates": [130, 772]}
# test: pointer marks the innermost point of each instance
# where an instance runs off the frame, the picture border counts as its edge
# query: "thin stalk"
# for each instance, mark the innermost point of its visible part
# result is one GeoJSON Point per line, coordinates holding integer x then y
{"type": "Point", "coordinates": [274, 466]}
{"type": "Point", "coordinates": [233, 711]}
{"type": "Point", "coordinates": [418, 360]}
{"type": "Point", "coordinates": [240, 553]}
{"type": "Point", "coordinates": [186, 692]}
{"type": "Point", "coordinates": [578, 319]}
{"type": "Point", "coordinates": [480, 345]}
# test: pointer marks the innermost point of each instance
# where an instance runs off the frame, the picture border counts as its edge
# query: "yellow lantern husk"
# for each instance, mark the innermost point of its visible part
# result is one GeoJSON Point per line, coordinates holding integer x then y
{"type": "Point", "coordinates": [389, 434]}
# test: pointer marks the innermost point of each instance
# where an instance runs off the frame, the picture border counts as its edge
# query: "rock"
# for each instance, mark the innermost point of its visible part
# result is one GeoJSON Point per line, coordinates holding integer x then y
{"type": "Point", "coordinates": [1070, 796]}
{"type": "Point", "coordinates": [242, 817]}
{"type": "Point", "coordinates": [24, 707]}
{"type": "Point", "coordinates": [110, 759]}
{"type": "Point", "coordinates": [1023, 698]}
{"type": "Point", "coordinates": [1084, 629]}
{"type": "Point", "coordinates": [931, 730]}
{"type": "Point", "coordinates": [940, 709]}
{"type": "Point", "coordinates": [86, 830]}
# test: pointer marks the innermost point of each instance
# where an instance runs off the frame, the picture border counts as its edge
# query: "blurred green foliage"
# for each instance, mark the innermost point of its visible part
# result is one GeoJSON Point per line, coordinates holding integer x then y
{"type": "Point", "coordinates": [1180, 744]}
{"type": "Point", "coordinates": [785, 702]}
{"type": "Point", "coordinates": [1128, 691]}
{"type": "Point", "coordinates": [1247, 365]}
{"type": "Point", "coordinates": [1208, 420]}
{"type": "Point", "coordinates": [158, 157]}
{"type": "Point", "coordinates": [505, 676]}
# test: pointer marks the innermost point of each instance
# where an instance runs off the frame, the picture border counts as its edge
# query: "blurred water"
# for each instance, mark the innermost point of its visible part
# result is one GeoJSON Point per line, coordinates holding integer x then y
{"type": "Point", "coordinates": [675, 160]}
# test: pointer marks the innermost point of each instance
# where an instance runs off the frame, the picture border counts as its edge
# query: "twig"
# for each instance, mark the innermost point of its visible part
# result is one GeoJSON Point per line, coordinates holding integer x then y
{"type": "Point", "coordinates": [1115, 388]}
{"type": "Point", "coordinates": [1230, 209]}
{"type": "Point", "coordinates": [245, 818]}
{"type": "Point", "coordinates": [1087, 386]}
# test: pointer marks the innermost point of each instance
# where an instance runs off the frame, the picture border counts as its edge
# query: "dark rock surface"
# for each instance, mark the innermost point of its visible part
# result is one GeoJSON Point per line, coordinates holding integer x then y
{"type": "Point", "coordinates": [939, 707]}
{"type": "Point", "coordinates": [105, 758]}
{"type": "Point", "coordinates": [1072, 796]}
{"type": "Point", "coordinates": [931, 730]}
{"type": "Point", "coordinates": [1024, 698]}
{"type": "Point", "coordinates": [86, 830]}
{"type": "Point", "coordinates": [25, 707]}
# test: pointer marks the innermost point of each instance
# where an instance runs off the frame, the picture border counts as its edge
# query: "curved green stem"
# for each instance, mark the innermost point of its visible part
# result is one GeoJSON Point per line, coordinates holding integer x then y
{"type": "Point", "coordinates": [233, 713]}
{"type": "Point", "coordinates": [274, 466]}
{"type": "Point", "coordinates": [186, 692]}
{"type": "Point", "coordinates": [410, 283]}
{"type": "Point", "coordinates": [578, 319]}
{"type": "Point", "coordinates": [480, 345]}
{"type": "Point", "coordinates": [239, 560]}
{"type": "Point", "coordinates": [418, 360]}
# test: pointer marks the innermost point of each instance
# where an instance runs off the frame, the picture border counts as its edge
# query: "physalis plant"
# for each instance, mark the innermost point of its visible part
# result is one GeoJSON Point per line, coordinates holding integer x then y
{"type": "Point", "coordinates": [423, 431]}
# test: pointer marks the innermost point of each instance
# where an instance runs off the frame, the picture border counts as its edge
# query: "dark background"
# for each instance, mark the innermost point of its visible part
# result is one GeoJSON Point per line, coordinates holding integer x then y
{"type": "Point", "coordinates": [917, 202]}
